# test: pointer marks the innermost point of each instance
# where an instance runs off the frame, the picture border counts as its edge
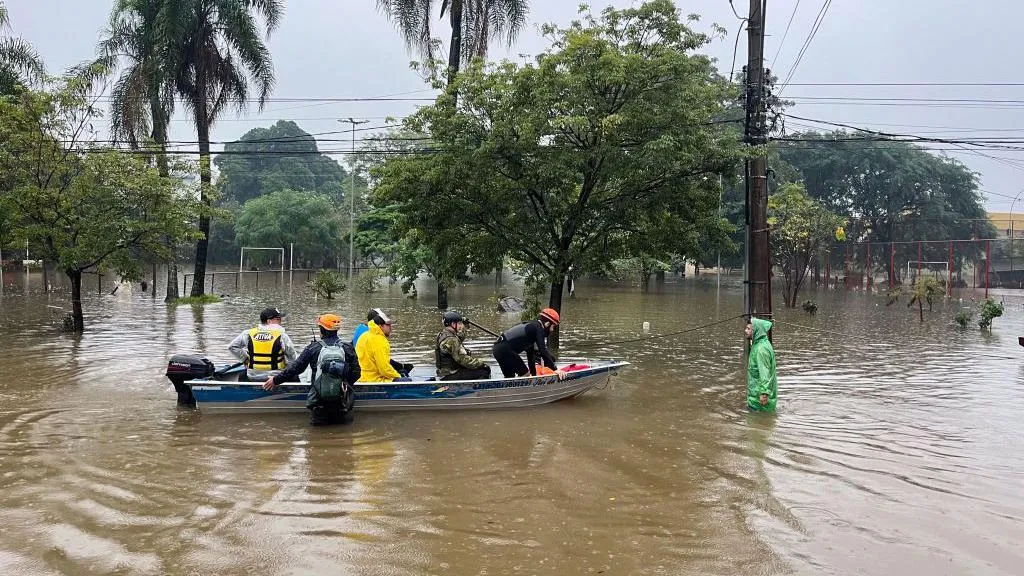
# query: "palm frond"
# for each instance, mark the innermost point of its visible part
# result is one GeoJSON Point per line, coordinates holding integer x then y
{"type": "Point", "coordinates": [412, 18]}
{"type": "Point", "coordinates": [19, 56]}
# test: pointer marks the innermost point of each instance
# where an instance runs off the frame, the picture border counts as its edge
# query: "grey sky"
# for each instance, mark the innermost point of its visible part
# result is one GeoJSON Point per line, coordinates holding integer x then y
{"type": "Point", "coordinates": [345, 48]}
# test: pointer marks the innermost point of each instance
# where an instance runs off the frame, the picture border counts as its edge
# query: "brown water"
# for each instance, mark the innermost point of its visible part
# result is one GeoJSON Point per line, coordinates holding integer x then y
{"type": "Point", "coordinates": [896, 449]}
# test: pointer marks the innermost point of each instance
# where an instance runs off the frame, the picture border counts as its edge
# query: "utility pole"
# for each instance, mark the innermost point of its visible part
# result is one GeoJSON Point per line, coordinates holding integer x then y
{"type": "Point", "coordinates": [759, 287]}
{"type": "Point", "coordinates": [352, 194]}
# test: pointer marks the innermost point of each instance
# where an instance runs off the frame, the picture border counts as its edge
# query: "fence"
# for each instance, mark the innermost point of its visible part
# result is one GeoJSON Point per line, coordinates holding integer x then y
{"type": "Point", "coordinates": [304, 274]}
{"type": "Point", "coordinates": [960, 264]}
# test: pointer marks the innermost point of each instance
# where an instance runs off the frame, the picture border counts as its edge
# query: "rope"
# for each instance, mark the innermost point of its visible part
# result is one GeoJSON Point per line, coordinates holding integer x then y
{"type": "Point", "coordinates": [658, 336]}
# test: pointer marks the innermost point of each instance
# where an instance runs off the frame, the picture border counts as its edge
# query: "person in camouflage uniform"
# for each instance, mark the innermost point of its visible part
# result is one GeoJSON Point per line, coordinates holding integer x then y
{"type": "Point", "coordinates": [453, 361]}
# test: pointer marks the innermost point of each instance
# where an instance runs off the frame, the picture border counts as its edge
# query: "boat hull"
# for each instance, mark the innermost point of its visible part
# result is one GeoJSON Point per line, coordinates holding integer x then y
{"type": "Point", "coordinates": [249, 397]}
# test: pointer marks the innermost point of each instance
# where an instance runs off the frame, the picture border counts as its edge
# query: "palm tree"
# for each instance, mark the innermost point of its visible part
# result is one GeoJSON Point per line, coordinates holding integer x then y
{"type": "Point", "coordinates": [474, 23]}
{"type": "Point", "coordinates": [142, 99]}
{"type": "Point", "coordinates": [219, 48]}
{"type": "Point", "coordinates": [19, 61]}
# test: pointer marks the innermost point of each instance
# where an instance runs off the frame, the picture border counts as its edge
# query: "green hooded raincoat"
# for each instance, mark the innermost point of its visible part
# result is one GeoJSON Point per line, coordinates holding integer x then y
{"type": "Point", "coordinates": [761, 378]}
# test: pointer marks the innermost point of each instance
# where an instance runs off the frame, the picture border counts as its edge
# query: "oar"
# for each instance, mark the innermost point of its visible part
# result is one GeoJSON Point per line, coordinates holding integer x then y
{"type": "Point", "coordinates": [475, 325]}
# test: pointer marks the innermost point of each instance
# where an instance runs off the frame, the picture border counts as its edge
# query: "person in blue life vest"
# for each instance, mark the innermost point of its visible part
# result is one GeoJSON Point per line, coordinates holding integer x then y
{"type": "Point", "coordinates": [265, 347]}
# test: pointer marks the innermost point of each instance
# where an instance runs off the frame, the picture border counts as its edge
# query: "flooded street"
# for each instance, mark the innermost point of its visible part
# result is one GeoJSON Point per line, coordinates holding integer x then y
{"type": "Point", "coordinates": [895, 450]}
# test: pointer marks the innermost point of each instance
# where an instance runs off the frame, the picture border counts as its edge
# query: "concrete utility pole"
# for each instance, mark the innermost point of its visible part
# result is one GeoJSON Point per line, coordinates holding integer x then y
{"type": "Point", "coordinates": [759, 287]}
{"type": "Point", "coordinates": [352, 194]}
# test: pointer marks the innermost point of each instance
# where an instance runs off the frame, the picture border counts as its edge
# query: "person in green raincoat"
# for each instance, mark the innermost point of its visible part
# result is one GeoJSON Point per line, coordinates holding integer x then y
{"type": "Point", "coordinates": [762, 382]}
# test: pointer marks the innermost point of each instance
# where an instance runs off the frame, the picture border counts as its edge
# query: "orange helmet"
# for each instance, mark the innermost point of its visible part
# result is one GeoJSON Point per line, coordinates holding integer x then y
{"type": "Point", "coordinates": [329, 322]}
{"type": "Point", "coordinates": [550, 315]}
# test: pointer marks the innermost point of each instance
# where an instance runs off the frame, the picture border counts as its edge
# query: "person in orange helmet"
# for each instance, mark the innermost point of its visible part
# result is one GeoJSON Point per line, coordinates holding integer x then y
{"type": "Point", "coordinates": [529, 337]}
{"type": "Point", "coordinates": [338, 407]}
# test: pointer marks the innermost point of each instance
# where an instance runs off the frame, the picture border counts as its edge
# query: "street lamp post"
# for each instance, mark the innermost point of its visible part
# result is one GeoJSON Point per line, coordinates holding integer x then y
{"type": "Point", "coordinates": [352, 194]}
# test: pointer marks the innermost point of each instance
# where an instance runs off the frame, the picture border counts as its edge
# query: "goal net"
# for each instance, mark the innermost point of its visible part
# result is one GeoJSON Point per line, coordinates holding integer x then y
{"type": "Point", "coordinates": [937, 270]}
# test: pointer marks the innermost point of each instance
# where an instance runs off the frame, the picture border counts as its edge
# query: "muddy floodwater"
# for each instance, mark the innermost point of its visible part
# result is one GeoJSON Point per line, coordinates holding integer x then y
{"type": "Point", "coordinates": [897, 448]}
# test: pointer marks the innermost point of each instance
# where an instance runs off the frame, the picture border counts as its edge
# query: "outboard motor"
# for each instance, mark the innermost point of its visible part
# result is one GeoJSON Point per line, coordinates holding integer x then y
{"type": "Point", "coordinates": [184, 367]}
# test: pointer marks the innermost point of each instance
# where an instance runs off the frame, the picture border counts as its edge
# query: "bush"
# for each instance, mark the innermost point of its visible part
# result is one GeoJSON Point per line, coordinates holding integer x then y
{"type": "Point", "coordinates": [990, 309]}
{"type": "Point", "coordinates": [964, 317]}
{"type": "Point", "coordinates": [197, 300]}
{"type": "Point", "coordinates": [810, 307]}
{"type": "Point", "coordinates": [326, 282]}
{"type": "Point", "coordinates": [367, 280]}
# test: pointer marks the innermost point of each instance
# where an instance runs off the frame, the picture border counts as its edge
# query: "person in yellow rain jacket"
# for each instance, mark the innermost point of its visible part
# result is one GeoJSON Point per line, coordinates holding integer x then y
{"type": "Point", "coordinates": [374, 352]}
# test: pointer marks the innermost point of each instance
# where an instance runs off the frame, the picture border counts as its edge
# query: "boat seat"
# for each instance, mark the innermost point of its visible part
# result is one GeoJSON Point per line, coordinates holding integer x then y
{"type": "Point", "coordinates": [252, 375]}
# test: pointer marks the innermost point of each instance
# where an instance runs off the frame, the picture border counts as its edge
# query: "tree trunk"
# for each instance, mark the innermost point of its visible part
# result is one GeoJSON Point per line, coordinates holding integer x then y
{"type": "Point", "coordinates": [76, 300]}
{"type": "Point", "coordinates": [205, 178]}
{"type": "Point", "coordinates": [442, 295]}
{"type": "Point", "coordinates": [172, 281]}
{"type": "Point", "coordinates": [555, 301]}
{"type": "Point", "coordinates": [455, 50]}
{"type": "Point", "coordinates": [696, 268]}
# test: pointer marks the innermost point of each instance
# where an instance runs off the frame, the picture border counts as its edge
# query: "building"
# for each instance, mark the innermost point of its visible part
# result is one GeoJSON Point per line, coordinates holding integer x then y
{"type": "Point", "coordinates": [1006, 222]}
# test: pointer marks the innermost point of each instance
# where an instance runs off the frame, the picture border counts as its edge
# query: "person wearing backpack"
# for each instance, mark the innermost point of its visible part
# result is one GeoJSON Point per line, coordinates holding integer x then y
{"type": "Point", "coordinates": [333, 368]}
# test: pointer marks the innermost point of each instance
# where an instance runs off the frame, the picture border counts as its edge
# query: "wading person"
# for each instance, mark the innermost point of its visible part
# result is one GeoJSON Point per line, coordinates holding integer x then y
{"type": "Point", "coordinates": [762, 382]}
{"type": "Point", "coordinates": [331, 363]}
{"type": "Point", "coordinates": [453, 361]}
{"type": "Point", "coordinates": [374, 352]}
{"type": "Point", "coordinates": [529, 337]}
{"type": "Point", "coordinates": [265, 347]}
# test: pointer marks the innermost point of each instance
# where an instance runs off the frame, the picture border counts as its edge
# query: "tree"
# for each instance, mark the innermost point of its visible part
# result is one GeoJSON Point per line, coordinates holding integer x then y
{"type": "Point", "coordinates": [142, 99]}
{"type": "Point", "coordinates": [20, 64]}
{"type": "Point", "coordinates": [571, 160]}
{"type": "Point", "coordinates": [216, 44]}
{"type": "Point", "coordinates": [800, 229]}
{"type": "Point", "coordinates": [308, 220]}
{"type": "Point", "coordinates": [85, 208]}
{"type": "Point", "coordinates": [281, 157]}
{"type": "Point", "coordinates": [891, 191]}
{"type": "Point", "coordinates": [474, 24]}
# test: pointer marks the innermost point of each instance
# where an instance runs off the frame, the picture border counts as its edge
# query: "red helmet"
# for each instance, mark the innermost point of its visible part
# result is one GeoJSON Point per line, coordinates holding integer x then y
{"type": "Point", "coordinates": [551, 315]}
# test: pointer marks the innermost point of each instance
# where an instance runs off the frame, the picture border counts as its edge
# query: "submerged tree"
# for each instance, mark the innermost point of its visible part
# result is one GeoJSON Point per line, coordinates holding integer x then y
{"type": "Point", "coordinates": [218, 49]}
{"type": "Point", "coordinates": [87, 208]}
{"type": "Point", "coordinates": [800, 229]}
{"type": "Point", "coordinates": [567, 161]}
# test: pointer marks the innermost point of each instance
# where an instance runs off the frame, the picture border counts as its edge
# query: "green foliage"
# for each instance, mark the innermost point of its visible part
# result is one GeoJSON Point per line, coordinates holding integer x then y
{"type": "Point", "coordinates": [308, 220]}
{"type": "Point", "coordinates": [367, 281]}
{"type": "Point", "coordinates": [800, 229]}
{"type": "Point", "coordinates": [963, 317]}
{"type": "Point", "coordinates": [533, 290]}
{"type": "Point", "coordinates": [474, 24]}
{"type": "Point", "coordinates": [810, 307]}
{"type": "Point", "coordinates": [84, 207]}
{"type": "Point", "coordinates": [926, 289]}
{"type": "Point", "coordinates": [326, 283]}
{"type": "Point", "coordinates": [892, 191]}
{"type": "Point", "coordinates": [20, 64]}
{"type": "Point", "coordinates": [197, 300]}
{"type": "Point", "coordinates": [605, 147]}
{"type": "Point", "coordinates": [989, 310]}
{"type": "Point", "coordinates": [281, 157]}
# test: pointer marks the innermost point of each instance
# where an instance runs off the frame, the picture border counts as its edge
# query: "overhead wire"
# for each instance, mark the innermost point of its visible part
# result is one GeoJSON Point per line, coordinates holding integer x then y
{"type": "Point", "coordinates": [807, 43]}
{"type": "Point", "coordinates": [785, 34]}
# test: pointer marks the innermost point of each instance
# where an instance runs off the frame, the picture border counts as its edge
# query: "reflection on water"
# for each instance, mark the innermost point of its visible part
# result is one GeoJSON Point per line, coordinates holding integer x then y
{"type": "Point", "coordinates": [893, 452]}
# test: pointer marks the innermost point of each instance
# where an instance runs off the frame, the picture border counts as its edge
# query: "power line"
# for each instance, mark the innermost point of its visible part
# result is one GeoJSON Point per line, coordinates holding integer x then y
{"type": "Point", "coordinates": [807, 43]}
{"type": "Point", "coordinates": [786, 33]}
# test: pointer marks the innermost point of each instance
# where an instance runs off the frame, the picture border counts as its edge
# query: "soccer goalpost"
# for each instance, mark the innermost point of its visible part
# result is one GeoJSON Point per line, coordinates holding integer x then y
{"type": "Point", "coordinates": [241, 258]}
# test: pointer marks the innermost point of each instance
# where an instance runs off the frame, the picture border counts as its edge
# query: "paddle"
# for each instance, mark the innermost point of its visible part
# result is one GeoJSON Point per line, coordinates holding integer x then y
{"type": "Point", "coordinates": [475, 325]}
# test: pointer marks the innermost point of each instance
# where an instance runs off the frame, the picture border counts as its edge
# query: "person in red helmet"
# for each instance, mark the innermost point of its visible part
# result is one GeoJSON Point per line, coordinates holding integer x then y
{"type": "Point", "coordinates": [529, 337]}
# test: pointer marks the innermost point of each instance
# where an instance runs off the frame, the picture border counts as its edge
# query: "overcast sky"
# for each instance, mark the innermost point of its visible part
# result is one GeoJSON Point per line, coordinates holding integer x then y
{"type": "Point", "coordinates": [345, 48]}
